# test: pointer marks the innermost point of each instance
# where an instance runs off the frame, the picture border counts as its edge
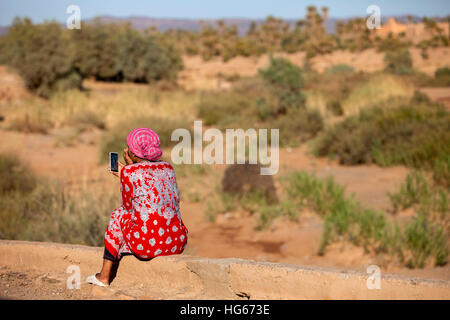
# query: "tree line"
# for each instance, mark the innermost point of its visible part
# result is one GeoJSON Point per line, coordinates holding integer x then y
{"type": "Point", "coordinates": [50, 57]}
{"type": "Point", "coordinates": [308, 35]}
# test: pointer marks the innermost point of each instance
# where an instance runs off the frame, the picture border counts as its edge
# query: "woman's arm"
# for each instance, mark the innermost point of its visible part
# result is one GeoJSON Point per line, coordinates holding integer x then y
{"type": "Point", "coordinates": [121, 165]}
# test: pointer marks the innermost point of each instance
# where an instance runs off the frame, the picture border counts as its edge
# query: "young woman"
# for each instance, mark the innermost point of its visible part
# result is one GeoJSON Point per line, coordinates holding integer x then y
{"type": "Point", "coordinates": [148, 223]}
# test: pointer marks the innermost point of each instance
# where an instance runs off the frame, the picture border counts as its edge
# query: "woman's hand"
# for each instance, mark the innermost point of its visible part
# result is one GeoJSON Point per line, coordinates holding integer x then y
{"type": "Point", "coordinates": [120, 166]}
{"type": "Point", "coordinates": [127, 157]}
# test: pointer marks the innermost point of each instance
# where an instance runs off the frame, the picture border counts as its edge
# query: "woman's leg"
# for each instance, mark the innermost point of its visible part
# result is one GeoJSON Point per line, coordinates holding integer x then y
{"type": "Point", "coordinates": [114, 246]}
{"type": "Point", "coordinates": [105, 275]}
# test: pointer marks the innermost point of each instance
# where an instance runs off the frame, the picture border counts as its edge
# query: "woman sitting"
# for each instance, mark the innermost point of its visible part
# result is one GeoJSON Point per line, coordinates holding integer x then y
{"type": "Point", "coordinates": [148, 223]}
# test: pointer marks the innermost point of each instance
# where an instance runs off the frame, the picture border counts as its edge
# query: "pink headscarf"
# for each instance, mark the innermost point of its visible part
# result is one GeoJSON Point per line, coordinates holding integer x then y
{"type": "Point", "coordinates": [144, 143]}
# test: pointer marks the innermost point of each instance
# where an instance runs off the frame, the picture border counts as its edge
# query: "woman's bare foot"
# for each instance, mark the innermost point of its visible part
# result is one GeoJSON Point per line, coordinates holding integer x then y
{"type": "Point", "coordinates": [102, 279]}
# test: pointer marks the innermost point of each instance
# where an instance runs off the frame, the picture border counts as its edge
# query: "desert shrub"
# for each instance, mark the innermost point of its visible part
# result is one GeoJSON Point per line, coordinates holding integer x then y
{"type": "Point", "coordinates": [335, 107]}
{"type": "Point", "coordinates": [15, 176]}
{"type": "Point", "coordinates": [42, 56]}
{"type": "Point", "coordinates": [329, 92]}
{"type": "Point", "coordinates": [51, 213]}
{"type": "Point", "coordinates": [413, 191]}
{"type": "Point", "coordinates": [226, 108]}
{"type": "Point", "coordinates": [30, 123]}
{"type": "Point", "coordinates": [42, 210]}
{"type": "Point", "coordinates": [343, 216]}
{"type": "Point", "coordinates": [298, 126]}
{"type": "Point", "coordinates": [241, 180]}
{"type": "Point", "coordinates": [441, 169]}
{"type": "Point", "coordinates": [267, 215]}
{"type": "Point", "coordinates": [286, 81]}
{"type": "Point", "coordinates": [391, 43]}
{"type": "Point", "coordinates": [403, 132]}
{"type": "Point", "coordinates": [269, 212]}
{"type": "Point", "coordinates": [114, 140]}
{"type": "Point", "coordinates": [417, 192]}
{"type": "Point", "coordinates": [442, 77]}
{"type": "Point", "coordinates": [398, 62]}
{"type": "Point", "coordinates": [306, 190]}
{"type": "Point", "coordinates": [376, 89]}
{"type": "Point", "coordinates": [421, 239]}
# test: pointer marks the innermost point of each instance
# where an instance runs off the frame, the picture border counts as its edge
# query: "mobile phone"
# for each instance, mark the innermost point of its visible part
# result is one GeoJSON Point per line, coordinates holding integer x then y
{"type": "Point", "coordinates": [113, 162]}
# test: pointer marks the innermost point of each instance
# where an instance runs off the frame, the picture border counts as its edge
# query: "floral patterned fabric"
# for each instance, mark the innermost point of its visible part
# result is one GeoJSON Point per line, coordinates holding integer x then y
{"type": "Point", "coordinates": [148, 223]}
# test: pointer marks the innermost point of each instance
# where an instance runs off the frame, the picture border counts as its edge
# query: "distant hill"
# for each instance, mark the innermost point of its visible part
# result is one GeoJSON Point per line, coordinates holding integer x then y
{"type": "Point", "coordinates": [3, 30]}
{"type": "Point", "coordinates": [164, 24]}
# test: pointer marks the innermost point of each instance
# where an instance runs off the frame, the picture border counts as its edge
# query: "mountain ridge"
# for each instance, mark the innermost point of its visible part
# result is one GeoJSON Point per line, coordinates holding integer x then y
{"type": "Point", "coordinates": [191, 24]}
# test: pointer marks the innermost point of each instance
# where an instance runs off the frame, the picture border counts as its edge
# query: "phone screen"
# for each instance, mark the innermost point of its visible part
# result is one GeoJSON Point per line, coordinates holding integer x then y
{"type": "Point", "coordinates": [114, 161]}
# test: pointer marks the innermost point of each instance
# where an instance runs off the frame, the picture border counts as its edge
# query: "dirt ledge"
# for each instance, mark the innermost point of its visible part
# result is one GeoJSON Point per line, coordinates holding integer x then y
{"type": "Point", "coordinates": [189, 277]}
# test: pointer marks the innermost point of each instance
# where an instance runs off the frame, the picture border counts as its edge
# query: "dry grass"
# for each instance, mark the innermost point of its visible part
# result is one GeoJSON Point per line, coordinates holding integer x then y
{"type": "Point", "coordinates": [96, 109]}
{"type": "Point", "coordinates": [378, 88]}
{"type": "Point", "coordinates": [315, 100]}
{"type": "Point", "coordinates": [44, 210]}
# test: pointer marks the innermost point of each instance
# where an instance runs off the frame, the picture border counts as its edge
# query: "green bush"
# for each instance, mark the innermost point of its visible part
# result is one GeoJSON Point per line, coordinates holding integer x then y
{"type": "Point", "coordinates": [120, 53]}
{"type": "Point", "coordinates": [286, 81]}
{"type": "Point", "coordinates": [413, 191]}
{"type": "Point", "coordinates": [442, 77]}
{"type": "Point", "coordinates": [391, 43]}
{"type": "Point", "coordinates": [441, 169]}
{"type": "Point", "coordinates": [419, 193]}
{"type": "Point", "coordinates": [424, 239]}
{"type": "Point", "coordinates": [398, 62]}
{"type": "Point", "coordinates": [50, 58]}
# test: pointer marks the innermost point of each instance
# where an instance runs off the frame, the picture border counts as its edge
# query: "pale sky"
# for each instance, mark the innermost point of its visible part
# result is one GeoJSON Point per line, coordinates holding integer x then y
{"type": "Point", "coordinates": [40, 10]}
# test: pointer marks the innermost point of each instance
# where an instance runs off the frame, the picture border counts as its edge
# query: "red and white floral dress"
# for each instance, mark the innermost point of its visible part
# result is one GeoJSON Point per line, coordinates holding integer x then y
{"type": "Point", "coordinates": [148, 223]}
